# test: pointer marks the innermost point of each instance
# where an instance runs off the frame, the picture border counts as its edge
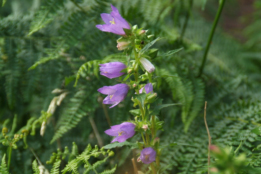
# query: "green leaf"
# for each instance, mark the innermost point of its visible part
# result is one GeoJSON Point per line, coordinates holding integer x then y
{"type": "Point", "coordinates": [256, 131]}
{"type": "Point", "coordinates": [69, 79]}
{"type": "Point", "coordinates": [141, 98]}
{"type": "Point", "coordinates": [135, 112]}
{"type": "Point", "coordinates": [158, 108]}
{"type": "Point", "coordinates": [117, 144]}
{"type": "Point", "coordinates": [128, 32]}
{"type": "Point", "coordinates": [169, 53]}
{"type": "Point", "coordinates": [149, 45]}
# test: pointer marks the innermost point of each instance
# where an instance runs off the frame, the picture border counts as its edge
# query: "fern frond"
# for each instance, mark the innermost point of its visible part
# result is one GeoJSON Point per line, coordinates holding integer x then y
{"type": "Point", "coordinates": [45, 15]}
{"type": "Point", "coordinates": [55, 168]}
{"type": "Point", "coordinates": [4, 169]}
{"type": "Point", "coordinates": [80, 106]}
{"type": "Point", "coordinates": [85, 68]}
{"type": "Point", "coordinates": [35, 167]}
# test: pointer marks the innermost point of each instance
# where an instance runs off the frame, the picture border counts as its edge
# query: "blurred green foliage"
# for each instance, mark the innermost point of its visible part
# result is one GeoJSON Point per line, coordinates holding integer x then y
{"type": "Point", "coordinates": [43, 44]}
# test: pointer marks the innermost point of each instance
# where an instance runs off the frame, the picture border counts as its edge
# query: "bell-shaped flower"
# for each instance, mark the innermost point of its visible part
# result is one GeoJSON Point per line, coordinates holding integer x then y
{"type": "Point", "coordinates": [121, 132]}
{"type": "Point", "coordinates": [148, 66]}
{"type": "Point", "coordinates": [112, 69]}
{"type": "Point", "coordinates": [148, 155]}
{"type": "Point", "coordinates": [148, 88]}
{"type": "Point", "coordinates": [115, 93]}
{"type": "Point", "coordinates": [114, 23]}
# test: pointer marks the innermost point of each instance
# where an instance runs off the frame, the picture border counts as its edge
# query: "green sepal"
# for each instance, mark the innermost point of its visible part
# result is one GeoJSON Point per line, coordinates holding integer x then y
{"type": "Point", "coordinates": [128, 32]}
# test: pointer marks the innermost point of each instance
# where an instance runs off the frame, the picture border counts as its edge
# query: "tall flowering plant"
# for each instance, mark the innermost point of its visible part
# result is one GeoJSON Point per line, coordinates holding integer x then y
{"type": "Point", "coordinates": [140, 72]}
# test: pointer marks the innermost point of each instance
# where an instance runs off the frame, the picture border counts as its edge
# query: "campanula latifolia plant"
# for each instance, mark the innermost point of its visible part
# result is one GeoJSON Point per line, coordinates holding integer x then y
{"type": "Point", "coordinates": [140, 74]}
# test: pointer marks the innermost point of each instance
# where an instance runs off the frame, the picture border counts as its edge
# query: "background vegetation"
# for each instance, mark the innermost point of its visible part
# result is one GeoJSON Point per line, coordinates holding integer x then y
{"type": "Point", "coordinates": [43, 44]}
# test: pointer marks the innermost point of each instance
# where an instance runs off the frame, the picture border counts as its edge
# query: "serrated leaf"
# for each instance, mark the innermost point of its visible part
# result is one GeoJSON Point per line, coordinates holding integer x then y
{"type": "Point", "coordinates": [149, 45]}
{"type": "Point", "coordinates": [169, 53]}
{"type": "Point", "coordinates": [158, 108]}
{"type": "Point", "coordinates": [117, 144]}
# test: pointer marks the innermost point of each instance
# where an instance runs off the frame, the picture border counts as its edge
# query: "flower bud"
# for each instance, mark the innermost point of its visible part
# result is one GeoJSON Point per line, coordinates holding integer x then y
{"type": "Point", "coordinates": [138, 159]}
{"type": "Point", "coordinates": [145, 127]}
{"type": "Point", "coordinates": [111, 153]}
{"type": "Point", "coordinates": [129, 71]}
{"type": "Point", "coordinates": [148, 66]}
{"type": "Point", "coordinates": [134, 85]}
{"type": "Point", "coordinates": [122, 45]}
{"type": "Point", "coordinates": [215, 149]}
{"type": "Point", "coordinates": [142, 32]}
{"type": "Point", "coordinates": [4, 130]}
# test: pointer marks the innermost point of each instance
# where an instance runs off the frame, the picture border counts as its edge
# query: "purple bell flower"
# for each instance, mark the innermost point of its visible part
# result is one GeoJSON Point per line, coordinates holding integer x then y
{"type": "Point", "coordinates": [114, 23]}
{"type": "Point", "coordinates": [115, 93]}
{"type": "Point", "coordinates": [148, 155]}
{"type": "Point", "coordinates": [148, 88]}
{"type": "Point", "coordinates": [112, 69]}
{"type": "Point", "coordinates": [121, 131]}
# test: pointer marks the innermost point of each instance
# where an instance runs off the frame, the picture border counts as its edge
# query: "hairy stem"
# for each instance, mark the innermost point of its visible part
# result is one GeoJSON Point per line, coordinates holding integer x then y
{"type": "Point", "coordinates": [209, 137]}
{"type": "Point", "coordinates": [211, 36]}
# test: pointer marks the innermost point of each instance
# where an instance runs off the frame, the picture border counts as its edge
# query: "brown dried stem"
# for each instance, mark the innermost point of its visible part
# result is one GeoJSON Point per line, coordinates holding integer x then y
{"type": "Point", "coordinates": [209, 137]}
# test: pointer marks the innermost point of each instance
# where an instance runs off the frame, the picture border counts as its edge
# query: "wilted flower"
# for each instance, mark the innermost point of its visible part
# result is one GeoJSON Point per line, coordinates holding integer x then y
{"type": "Point", "coordinates": [148, 155]}
{"type": "Point", "coordinates": [112, 69]}
{"type": "Point", "coordinates": [115, 93]}
{"type": "Point", "coordinates": [148, 88]}
{"type": "Point", "coordinates": [114, 23]}
{"type": "Point", "coordinates": [147, 65]}
{"type": "Point", "coordinates": [121, 131]}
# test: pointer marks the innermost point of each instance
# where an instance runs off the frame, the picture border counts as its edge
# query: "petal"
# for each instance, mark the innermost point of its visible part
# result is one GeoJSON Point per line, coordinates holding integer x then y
{"type": "Point", "coordinates": [112, 132]}
{"type": "Point", "coordinates": [121, 22]}
{"type": "Point", "coordinates": [112, 75]}
{"type": "Point", "coordinates": [116, 103]}
{"type": "Point", "coordinates": [114, 9]}
{"type": "Point", "coordinates": [108, 101]}
{"type": "Point", "coordinates": [148, 88]}
{"type": "Point", "coordinates": [108, 90]}
{"type": "Point", "coordinates": [120, 139]}
{"type": "Point", "coordinates": [107, 18]}
{"type": "Point", "coordinates": [104, 28]}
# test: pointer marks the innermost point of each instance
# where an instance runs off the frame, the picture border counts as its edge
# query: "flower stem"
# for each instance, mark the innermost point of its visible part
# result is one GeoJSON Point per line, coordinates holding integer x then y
{"type": "Point", "coordinates": [153, 168]}
{"type": "Point", "coordinates": [153, 126]}
{"type": "Point", "coordinates": [9, 155]}
{"type": "Point", "coordinates": [211, 36]}
{"type": "Point", "coordinates": [143, 138]}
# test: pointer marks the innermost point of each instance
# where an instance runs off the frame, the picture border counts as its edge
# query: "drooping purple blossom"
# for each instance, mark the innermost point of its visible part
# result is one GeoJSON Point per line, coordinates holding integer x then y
{"type": "Point", "coordinates": [112, 69]}
{"type": "Point", "coordinates": [148, 155]}
{"type": "Point", "coordinates": [114, 23]}
{"type": "Point", "coordinates": [148, 88]}
{"type": "Point", "coordinates": [122, 131]}
{"type": "Point", "coordinates": [115, 93]}
{"type": "Point", "coordinates": [148, 66]}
